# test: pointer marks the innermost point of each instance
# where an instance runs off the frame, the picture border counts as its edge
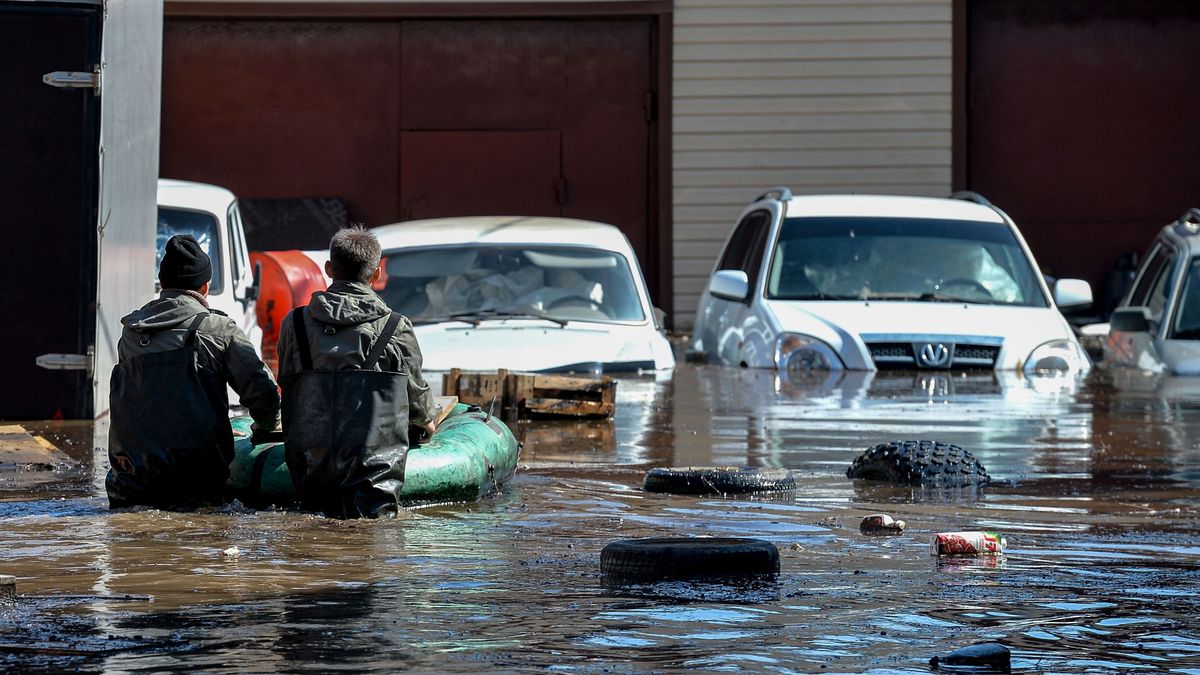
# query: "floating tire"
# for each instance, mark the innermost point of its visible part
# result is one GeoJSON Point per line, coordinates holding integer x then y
{"type": "Point", "coordinates": [710, 480]}
{"type": "Point", "coordinates": [926, 463]}
{"type": "Point", "coordinates": [688, 558]}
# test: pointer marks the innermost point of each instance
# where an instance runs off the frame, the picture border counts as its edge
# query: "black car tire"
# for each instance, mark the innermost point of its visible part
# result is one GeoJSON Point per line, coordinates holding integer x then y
{"type": "Point", "coordinates": [688, 558]}
{"type": "Point", "coordinates": [717, 480]}
{"type": "Point", "coordinates": [927, 463]}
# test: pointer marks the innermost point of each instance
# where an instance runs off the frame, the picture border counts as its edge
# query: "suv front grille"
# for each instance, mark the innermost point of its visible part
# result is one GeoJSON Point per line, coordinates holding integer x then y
{"type": "Point", "coordinates": [892, 355]}
{"type": "Point", "coordinates": [905, 355]}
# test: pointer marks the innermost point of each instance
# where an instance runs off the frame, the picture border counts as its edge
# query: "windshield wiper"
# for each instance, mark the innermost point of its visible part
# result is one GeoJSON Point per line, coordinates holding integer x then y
{"type": "Point", "coordinates": [926, 297]}
{"type": "Point", "coordinates": [816, 296]}
{"type": "Point", "coordinates": [481, 314]}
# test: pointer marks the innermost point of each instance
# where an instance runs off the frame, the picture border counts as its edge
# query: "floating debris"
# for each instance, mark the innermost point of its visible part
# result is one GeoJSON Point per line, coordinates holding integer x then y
{"type": "Point", "coordinates": [967, 543]}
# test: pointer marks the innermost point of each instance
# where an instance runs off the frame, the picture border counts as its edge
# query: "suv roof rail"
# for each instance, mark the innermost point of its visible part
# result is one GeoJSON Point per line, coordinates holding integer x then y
{"type": "Point", "coordinates": [1192, 215]}
{"type": "Point", "coordinates": [779, 192]}
{"type": "Point", "coordinates": [970, 196]}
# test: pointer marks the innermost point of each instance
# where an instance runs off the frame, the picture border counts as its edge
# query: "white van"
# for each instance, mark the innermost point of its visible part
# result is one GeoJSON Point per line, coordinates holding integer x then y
{"type": "Point", "coordinates": [210, 214]}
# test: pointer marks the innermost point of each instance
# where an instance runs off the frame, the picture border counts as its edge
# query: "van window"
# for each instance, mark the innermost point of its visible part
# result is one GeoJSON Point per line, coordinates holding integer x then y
{"type": "Point", "coordinates": [203, 226]}
{"type": "Point", "coordinates": [237, 247]}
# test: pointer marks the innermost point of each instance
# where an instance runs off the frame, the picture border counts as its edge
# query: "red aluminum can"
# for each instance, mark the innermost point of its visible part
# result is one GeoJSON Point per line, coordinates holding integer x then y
{"type": "Point", "coordinates": [967, 543]}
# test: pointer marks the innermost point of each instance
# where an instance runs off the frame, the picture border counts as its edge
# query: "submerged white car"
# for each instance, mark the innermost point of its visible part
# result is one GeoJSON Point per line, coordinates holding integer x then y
{"type": "Point", "coordinates": [866, 282]}
{"type": "Point", "coordinates": [532, 294]}
{"type": "Point", "coordinates": [1157, 325]}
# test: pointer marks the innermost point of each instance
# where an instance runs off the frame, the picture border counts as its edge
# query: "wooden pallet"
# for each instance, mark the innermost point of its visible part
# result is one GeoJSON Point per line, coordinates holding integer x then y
{"type": "Point", "coordinates": [533, 395]}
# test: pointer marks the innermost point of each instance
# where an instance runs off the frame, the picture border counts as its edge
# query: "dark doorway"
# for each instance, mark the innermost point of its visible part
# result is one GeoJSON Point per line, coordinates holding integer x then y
{"type": "Point", "coordinates": [48, 148]}
{"type": "Point", "coordinates": [1081, 122]}
{"type": "Point", "coordinates": [410, 117]}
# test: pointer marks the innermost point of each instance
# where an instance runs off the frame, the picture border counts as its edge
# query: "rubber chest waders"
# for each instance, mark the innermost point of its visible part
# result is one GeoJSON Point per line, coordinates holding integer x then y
{"type": "Point", "coordinates": [170, 442]}
{"type": "Point", "coordinates": [346, 432]}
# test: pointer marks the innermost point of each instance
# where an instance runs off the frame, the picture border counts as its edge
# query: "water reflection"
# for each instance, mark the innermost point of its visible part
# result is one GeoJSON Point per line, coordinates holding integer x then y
{"type": "Point", "coordinates": [1098, 501]}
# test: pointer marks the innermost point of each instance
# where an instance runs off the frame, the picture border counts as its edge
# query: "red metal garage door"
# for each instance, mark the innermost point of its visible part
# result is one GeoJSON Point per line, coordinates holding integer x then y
{"type": "Point", "coordinates": [1082, 122]}
{"type": "Point", "coordinates": [419, 118]}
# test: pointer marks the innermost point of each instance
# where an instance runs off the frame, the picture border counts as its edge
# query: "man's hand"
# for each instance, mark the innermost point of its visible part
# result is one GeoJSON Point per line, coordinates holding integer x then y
{"type": "Point", "coordinates": [429, 428]}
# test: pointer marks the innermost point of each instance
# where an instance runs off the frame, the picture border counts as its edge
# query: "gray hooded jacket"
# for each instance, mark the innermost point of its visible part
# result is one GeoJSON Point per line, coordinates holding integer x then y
{"type": "Point", "coordinates": [356, 315]}
{"type": "Point", "coordinates": [222, 346]}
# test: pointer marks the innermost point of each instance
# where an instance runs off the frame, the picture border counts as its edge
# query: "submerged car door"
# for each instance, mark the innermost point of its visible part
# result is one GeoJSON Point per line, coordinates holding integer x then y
{"type": "Point", "coordinates": [1151, 290]}
{"type": "Point", "coordinates": [1181, 348]}
{"type": "Point", "coordinates": [743, 252]}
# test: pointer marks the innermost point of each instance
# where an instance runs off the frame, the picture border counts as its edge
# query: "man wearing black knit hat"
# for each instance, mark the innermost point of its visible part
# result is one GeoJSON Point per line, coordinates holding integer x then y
{"type": "Point", "coordinates": [170, 442]}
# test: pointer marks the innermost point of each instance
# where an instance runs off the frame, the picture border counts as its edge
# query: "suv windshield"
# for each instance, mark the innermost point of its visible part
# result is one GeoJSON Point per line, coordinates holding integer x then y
{"type": "Point", "coordinates": [913, 259]}
{"type": "Point", "coordinates": [201, 225]}
{"type": "Point", "coordinates": [474, 283]}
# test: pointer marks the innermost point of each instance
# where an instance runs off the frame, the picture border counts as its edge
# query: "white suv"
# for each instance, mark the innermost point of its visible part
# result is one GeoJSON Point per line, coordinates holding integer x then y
{"type": "Point", "coordinates": [1157, 325]}
{"type": "Point", "coordinates": [867, 282]}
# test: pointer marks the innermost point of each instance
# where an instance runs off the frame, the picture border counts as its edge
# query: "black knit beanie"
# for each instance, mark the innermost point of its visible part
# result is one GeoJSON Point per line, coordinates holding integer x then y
{"type": "Point", "coordinates": [185, 266]}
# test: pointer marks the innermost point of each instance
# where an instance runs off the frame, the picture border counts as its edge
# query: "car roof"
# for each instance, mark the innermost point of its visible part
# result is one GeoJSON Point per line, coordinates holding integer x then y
{"type": "Point", "coordinates": [503, 230]}
{"type": "Point", "coordinates": [890, 206]}
{"type": "Point", "coordinates": [190, 195]}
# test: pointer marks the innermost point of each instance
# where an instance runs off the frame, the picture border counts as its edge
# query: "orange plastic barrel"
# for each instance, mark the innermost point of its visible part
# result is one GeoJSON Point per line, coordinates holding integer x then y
{"type": "Point", "coordinates": [288, 280]}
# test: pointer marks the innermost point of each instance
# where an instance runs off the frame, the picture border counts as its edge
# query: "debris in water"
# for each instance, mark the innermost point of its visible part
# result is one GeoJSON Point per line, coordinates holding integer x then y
{"type": "Point", "coordinates": [990, 657]}
{"type": "Point", "coordinates": [8, 589]}
{"type": "Point", "coordinates": [881, 523]}
{"type": "Point", "coordinates": [967, 543]}
{"type": "Point", "coordinates": [231, 552]}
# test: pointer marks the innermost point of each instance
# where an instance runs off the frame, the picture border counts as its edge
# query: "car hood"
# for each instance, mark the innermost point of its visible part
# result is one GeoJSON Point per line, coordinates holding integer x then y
{"type": "Point", "coordinates": [1021, 328]}
{"type": "Point", "coordinates": [535, 345]}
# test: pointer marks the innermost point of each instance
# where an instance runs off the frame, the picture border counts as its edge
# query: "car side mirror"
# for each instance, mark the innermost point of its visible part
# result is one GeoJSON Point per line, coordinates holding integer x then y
{"type": "Point", "coordinates": [1130, 320]}
{"type": "Point", "coordinates": [1072, 293]}
{"type": "Point", "coordinates": [252, 291]}
{"type": "Point", "coordinates": [730, 285]}
{"type": "Point", "coordinates": [660, 318]}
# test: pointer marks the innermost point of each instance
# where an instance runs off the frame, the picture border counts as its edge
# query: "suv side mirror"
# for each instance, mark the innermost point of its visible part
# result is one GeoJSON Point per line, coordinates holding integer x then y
{"type": "Point", "coordinates": [1130, 320]}
{"type": "Point", "coordinates": [730, 285]}
{"type": "Point", "coordinates": [660, 318]}
{"type": "Point", "coordinates": [1072, 293]}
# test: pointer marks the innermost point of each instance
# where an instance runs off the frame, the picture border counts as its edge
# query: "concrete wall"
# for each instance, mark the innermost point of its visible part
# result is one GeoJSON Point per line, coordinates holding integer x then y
{"type": "Point", "coordinates": [129, 115]}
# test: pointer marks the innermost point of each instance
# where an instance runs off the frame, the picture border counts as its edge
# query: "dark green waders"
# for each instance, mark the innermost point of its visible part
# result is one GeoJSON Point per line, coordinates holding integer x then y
{"type": "Point", "coordinates": [170, 443]}
{"type": "Point", "coordinates": [346, 432]}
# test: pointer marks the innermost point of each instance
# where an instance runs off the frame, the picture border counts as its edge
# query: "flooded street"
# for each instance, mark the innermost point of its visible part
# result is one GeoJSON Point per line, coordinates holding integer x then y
{"type": "Point", "coordinates": [1099, 500]}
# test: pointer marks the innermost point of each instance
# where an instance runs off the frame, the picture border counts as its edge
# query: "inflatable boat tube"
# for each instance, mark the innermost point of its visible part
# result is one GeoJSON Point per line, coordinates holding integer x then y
{"type": "Point", "coordinates": [471, 455]}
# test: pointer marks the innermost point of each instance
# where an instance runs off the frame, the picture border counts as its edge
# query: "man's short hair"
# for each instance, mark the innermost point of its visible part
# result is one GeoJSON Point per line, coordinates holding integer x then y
{"type": "Point", "coordinates": [354, 254]}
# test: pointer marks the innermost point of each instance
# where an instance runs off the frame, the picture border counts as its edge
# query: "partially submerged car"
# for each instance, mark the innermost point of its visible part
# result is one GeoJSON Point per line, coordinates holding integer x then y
{"type": "Point", "coordinates": [1157, 325]}
{"type": "Point", "coordinates": [535, 294]}
{"type": "Point", "coordinates": [210, 214]}
{"type": "Point", "coordinates": [871, 282]}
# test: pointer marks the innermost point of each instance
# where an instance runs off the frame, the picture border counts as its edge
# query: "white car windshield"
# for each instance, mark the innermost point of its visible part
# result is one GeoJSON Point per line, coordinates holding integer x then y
{"type": "Point", "coordinates": [201, 225]}
{"type": "Point", "coordinates": [476, 283]}
{"type": "Point", "coordinates": [907, 259]}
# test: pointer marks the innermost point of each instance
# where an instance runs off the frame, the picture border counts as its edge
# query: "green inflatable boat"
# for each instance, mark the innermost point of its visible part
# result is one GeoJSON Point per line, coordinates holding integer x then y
{"type": "Point", "coordinates": [471, 455]}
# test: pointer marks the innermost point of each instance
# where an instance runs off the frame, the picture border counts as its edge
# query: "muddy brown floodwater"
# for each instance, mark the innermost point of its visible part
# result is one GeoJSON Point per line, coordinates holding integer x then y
{"type": "Point", "coordinates": [1100, 505]}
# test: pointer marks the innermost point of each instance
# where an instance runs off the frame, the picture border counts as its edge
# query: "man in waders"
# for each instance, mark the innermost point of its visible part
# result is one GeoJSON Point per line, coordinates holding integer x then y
{"type": "Point", "coordinates": [350, 372]}
{"type": "Point", "coordinates": [170, 443]}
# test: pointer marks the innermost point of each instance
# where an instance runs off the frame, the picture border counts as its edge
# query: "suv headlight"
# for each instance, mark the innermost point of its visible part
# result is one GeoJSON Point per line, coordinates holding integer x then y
{"type": "Point", "coordinates": [1054, 356]}
{"type": "Point", "coordinates": [796, 352]}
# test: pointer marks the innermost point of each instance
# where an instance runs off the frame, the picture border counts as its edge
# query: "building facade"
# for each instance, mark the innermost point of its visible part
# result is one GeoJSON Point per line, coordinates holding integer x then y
{"type": "Point", "coordinates": [666, 117]}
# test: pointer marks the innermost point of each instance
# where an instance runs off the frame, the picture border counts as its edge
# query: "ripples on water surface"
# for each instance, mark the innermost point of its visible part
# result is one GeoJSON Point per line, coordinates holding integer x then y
{"type": "Point", "coordinates": [1100, 507]}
